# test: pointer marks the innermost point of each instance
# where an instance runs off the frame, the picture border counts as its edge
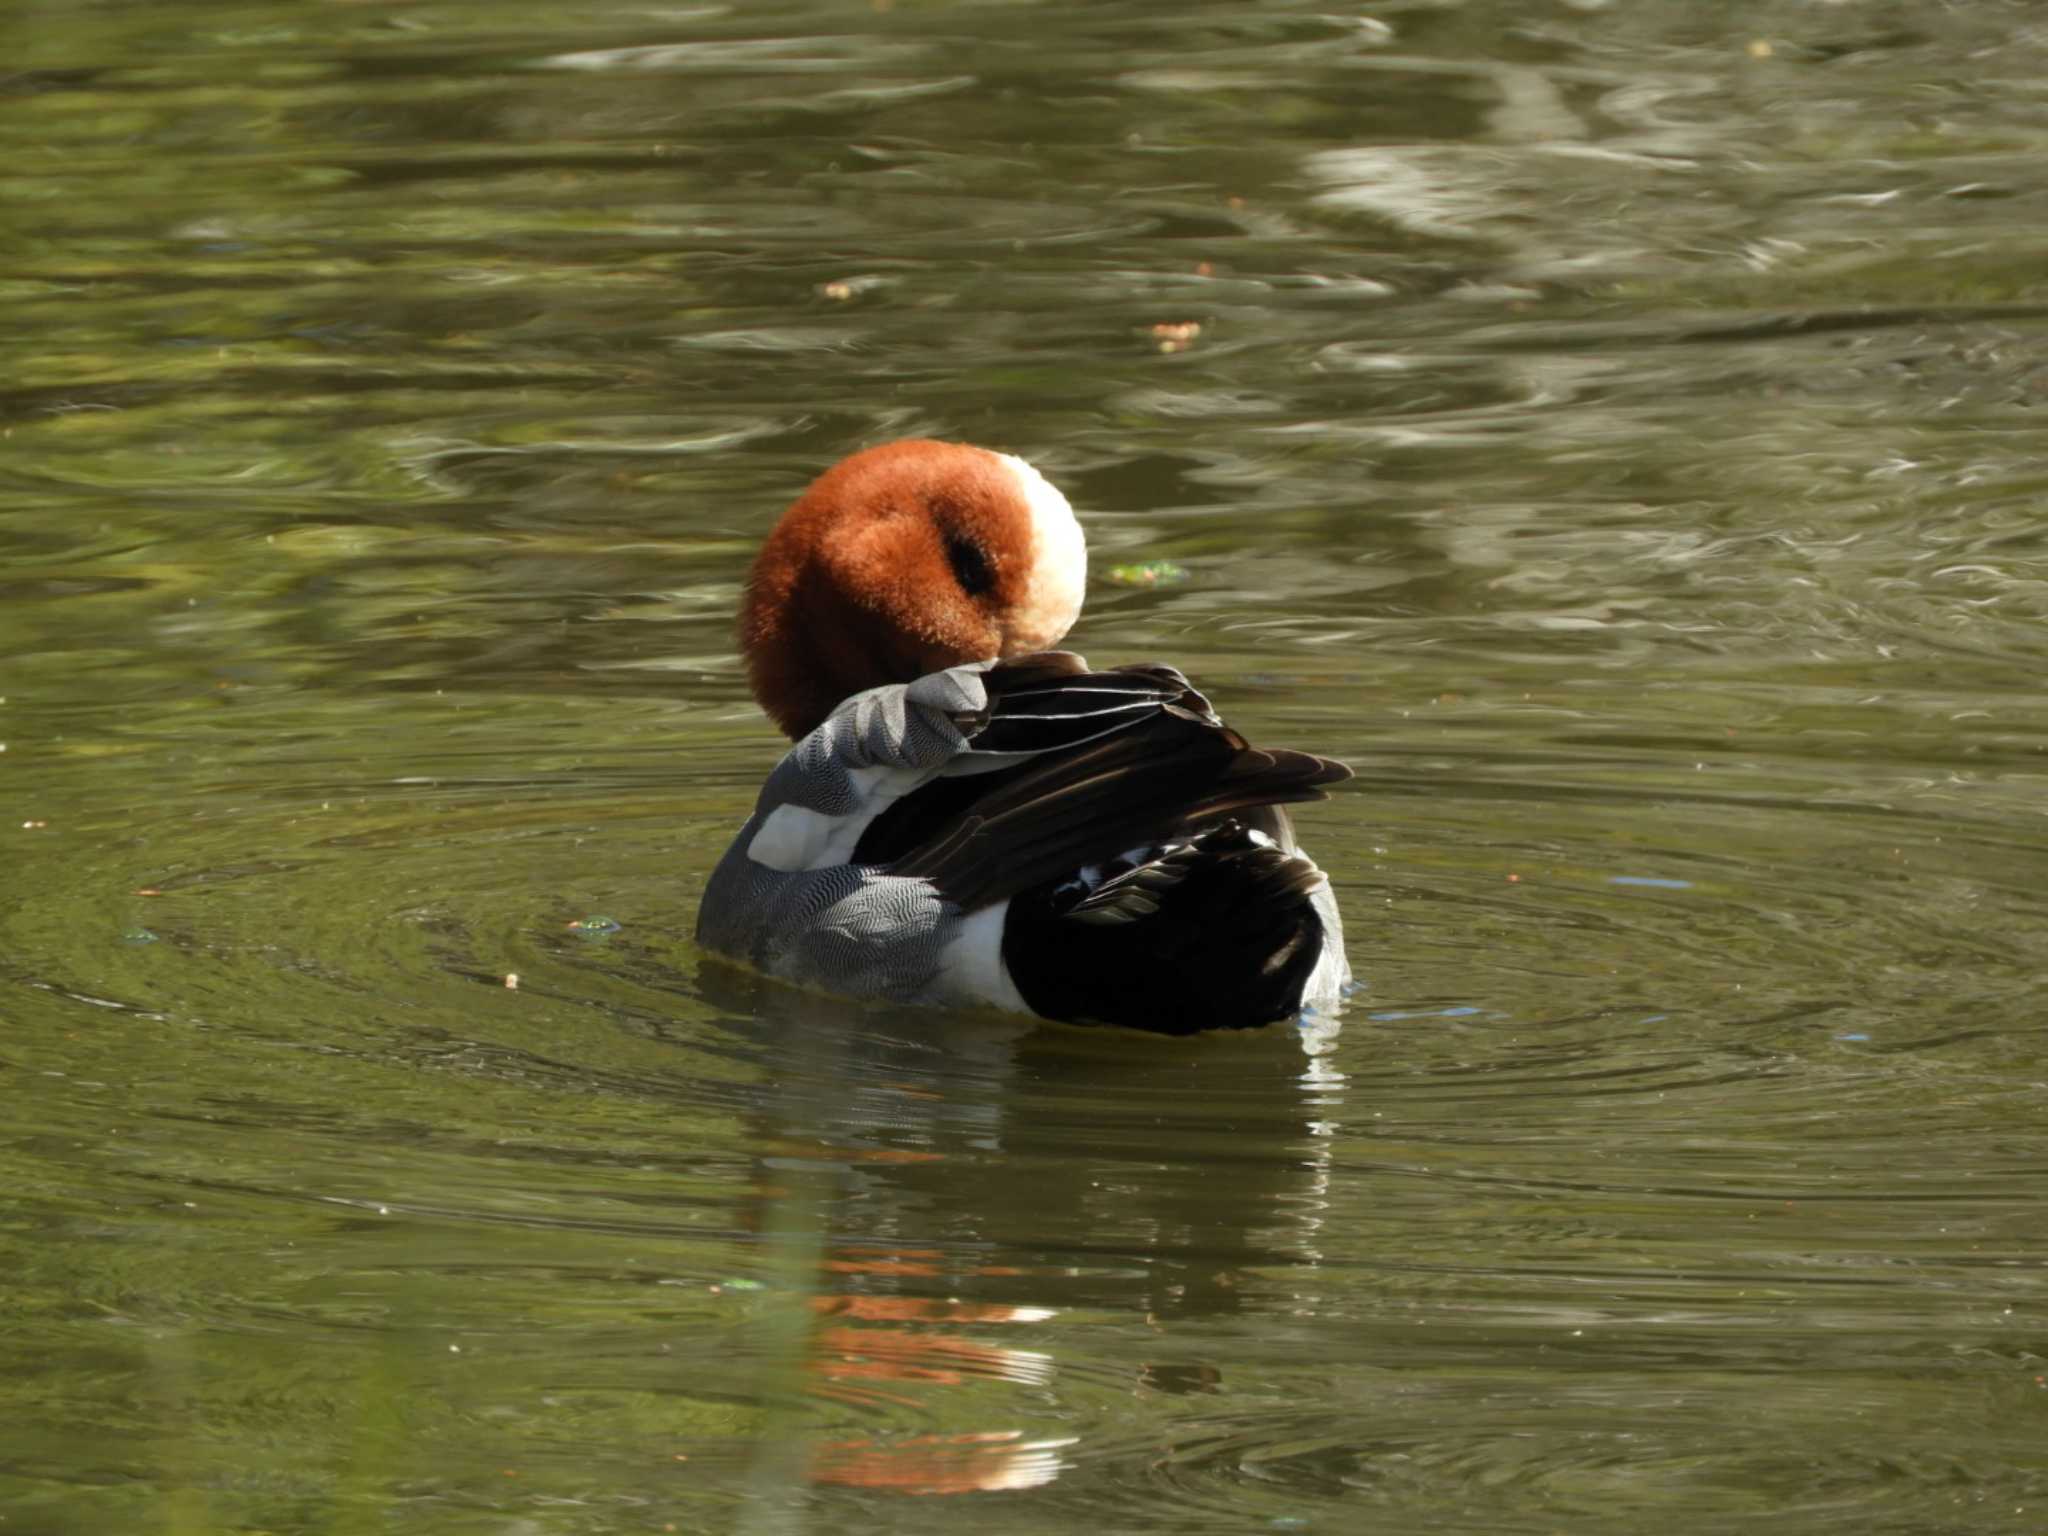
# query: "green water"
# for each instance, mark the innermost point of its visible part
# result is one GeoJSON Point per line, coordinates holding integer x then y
{"type": "Point", "coordinates": [1615, 429]}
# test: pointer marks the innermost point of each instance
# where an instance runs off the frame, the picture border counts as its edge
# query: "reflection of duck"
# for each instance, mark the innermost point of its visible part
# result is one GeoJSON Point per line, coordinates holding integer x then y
{"type": "Point", "coordinates": [970, 820]}
{"type": "Point", "coordinates": [964, 1219]}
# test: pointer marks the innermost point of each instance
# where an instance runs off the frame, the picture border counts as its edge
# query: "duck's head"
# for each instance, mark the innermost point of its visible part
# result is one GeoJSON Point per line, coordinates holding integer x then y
{"type": "Point", "coordinates": [903, 560]}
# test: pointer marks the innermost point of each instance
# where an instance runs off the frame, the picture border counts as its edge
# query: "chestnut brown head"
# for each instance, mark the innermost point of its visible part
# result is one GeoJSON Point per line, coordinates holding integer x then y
{"type": "Point", "coordinates": [902, 560]}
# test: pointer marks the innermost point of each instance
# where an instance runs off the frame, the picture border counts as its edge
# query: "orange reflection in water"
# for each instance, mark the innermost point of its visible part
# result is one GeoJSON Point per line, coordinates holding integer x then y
{"type": "Point", "coordinates": [858, 1362]}
{"type": "Point", "coordinates": [856, 1353]}
{"type": "Point", "coordinates": [975, 1463]}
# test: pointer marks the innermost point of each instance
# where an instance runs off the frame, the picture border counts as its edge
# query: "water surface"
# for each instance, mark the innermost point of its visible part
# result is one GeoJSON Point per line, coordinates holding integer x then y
{"type": "Point", "coordinates": [1613, 428]}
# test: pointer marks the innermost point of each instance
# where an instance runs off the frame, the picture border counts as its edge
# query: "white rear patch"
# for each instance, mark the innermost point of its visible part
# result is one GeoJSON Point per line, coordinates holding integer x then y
{"type": "Point", "coordinates": [1332, 974]}
{"type": "Point", "coordinates": [971, 972]}
{"type": "Point", "coordinates": [1059, 565]}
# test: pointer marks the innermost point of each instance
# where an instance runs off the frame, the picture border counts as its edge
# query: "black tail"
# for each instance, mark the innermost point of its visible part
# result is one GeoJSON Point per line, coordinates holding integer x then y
{"type": "Point", "coordinates": [1215, 932]}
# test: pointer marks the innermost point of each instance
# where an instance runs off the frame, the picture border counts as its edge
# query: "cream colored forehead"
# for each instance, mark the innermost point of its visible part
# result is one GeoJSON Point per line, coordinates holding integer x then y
{"type": "Point", "coordinates": [1059, 560]}
{"type": "Point", "coordinates": [1052, 519]}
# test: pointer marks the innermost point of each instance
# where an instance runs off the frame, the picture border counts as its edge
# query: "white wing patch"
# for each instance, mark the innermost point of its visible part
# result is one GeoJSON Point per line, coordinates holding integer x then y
{"type": "Point", "coordinates": [790, 836]}
{"type": "Point", "coordinates": [794, 838]}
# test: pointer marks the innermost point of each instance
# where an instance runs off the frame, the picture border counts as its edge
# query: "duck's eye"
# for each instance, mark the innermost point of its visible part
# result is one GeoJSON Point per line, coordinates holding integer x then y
{"type": "Point", "coordinates": [970, 564]}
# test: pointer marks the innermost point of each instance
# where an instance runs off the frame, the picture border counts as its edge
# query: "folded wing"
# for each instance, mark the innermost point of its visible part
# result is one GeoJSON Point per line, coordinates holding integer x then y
{"type": "Point", "coordinates": [1066, 768]}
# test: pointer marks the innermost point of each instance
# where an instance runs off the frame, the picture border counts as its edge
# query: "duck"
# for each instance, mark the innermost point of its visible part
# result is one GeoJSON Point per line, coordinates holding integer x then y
{"type": "Point", "coordinates": [969, 818]}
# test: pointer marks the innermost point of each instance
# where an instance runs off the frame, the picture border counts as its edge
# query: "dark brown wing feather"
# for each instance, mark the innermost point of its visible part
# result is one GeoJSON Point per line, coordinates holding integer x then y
{"type": "Point", "coordinates": [1117, 759]}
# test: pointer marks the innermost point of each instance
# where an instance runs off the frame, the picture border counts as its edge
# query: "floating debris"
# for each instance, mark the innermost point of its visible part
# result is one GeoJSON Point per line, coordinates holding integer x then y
{"type": "Point", "coordinates": [842, 289]}
{"type": "Point", "coordinates": [511, 981]}
{"type": "Point", "coordinates": [137, 936]}
{"type": "Point", "coordinates": [1149, 573]}
{"type": "Point", "coordinates": [595, 927]}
